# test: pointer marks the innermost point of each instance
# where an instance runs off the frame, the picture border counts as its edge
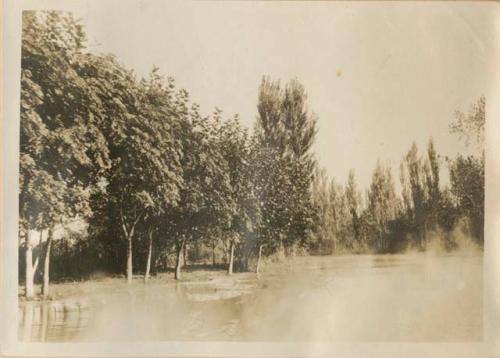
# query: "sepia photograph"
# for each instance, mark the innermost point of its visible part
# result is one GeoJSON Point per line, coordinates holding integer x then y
{"type": "Point", "coordinates": [255, 176]}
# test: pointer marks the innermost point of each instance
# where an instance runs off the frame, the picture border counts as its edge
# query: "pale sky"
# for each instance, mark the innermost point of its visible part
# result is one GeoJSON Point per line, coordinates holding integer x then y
{"type": "Point", "coordinates": [379, 75]}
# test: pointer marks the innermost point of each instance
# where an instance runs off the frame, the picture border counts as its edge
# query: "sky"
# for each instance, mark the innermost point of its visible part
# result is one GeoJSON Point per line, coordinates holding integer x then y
{"type": "Point", "coordinates": [378, 75]}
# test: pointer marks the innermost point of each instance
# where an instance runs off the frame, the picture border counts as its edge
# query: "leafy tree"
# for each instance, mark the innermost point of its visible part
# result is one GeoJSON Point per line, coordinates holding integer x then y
{"type": "Point", "coordinates": [323, 202]}
{"type": "Point", "coordinates": [467, 173]}
{"type": "Point", "coordinates": [270, 186]}
{"type": "Point", "coordinates": [160, 108]}
{"type": "Point", "coordinates": [470, 126]}
{"type": "Point", "coordinates": [144, 177]}
{"type": "Point", "coordinates": [62, 149]}
{"type": "Point", "coordinates": [405, 190]}
{"type": "Point", "coordinates": [234, 145]}
{"type": "Point", "coordinates": [343, 217]}
{"type": "Point", "coordinates": [353, 198]}
{"type": "Point", "coordinates": [416, 183]}
{"type": "Point", "coordinates": [448, 216]}
{"type": "Point", "coordinates": [432, 185]}
{"type": "Point", "coordinates": [286, 132]}
{"type": "Point", "coordinates": [204, 200]}
{"type": "Point", "coordinates": [382, 205]}
{"type": "Point", "coordinates": [467, 185]}
{"type": "Point", "coordinates": [334, 213]}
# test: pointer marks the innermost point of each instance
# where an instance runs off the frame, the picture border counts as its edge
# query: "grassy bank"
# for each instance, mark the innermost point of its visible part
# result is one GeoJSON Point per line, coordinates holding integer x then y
{"type": "Point", "coordinates": [106, 284]}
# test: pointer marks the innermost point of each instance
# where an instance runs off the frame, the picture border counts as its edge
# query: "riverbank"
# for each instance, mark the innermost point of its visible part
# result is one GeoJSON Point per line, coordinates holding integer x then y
{"type": "Point", "coordinates": [198, 274]}
{"type": "Point", "coordinates": [105, 285]}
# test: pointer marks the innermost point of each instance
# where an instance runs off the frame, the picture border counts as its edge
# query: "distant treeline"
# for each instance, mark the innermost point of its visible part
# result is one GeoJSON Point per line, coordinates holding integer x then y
{"type": "Point", "coordinates": [424, 213]}
{"type": "Point", "coordinates": [157, 183]}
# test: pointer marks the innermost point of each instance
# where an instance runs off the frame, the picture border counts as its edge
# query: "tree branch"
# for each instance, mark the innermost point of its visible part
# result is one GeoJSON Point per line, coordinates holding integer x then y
{"type": "Point", "coordinates": [124, 225]}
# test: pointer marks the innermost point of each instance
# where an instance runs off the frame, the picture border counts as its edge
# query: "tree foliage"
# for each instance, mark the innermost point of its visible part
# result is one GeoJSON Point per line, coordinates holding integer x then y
{"type": "Point", "coordinates": [285, 134]}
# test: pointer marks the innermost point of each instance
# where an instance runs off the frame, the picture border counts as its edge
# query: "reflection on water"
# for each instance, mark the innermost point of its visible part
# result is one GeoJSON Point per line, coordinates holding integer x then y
{"type": "Point", "coordinates": [353, 298]}
{"type": "Point", "coordinates": [51, 321]}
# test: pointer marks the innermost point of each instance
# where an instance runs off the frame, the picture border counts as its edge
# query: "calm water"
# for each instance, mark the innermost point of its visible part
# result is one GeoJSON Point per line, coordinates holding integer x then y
{"type": "Point", "coordinates": [346, 298]}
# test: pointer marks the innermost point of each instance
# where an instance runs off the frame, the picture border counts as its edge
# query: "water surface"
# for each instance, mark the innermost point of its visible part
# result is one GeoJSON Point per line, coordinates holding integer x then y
{"type": "Point", "coordinates": [331, 298]}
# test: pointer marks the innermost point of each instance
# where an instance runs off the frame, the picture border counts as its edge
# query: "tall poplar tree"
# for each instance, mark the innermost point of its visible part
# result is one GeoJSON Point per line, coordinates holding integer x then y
{"type": "Point", "coordinates": [286, 131]}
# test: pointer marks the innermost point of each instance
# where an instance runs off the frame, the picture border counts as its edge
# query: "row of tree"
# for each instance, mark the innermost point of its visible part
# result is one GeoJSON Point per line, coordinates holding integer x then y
{"type": "Point", "coordinates": [151, 178]}
{"type": "Point", "coordinates": [383, 221]}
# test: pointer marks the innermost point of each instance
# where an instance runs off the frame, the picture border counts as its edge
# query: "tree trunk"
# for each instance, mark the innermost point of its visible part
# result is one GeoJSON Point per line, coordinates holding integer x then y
{"type": "Point", "coordinates": [184, 255]}
{"type": "Point", "coordinates": [46, 265]}
{"type": "Point", "coordinates": [257, 269]}
{"type": "Point", "coordinates": [156, 260]}
{"type": "Point", "coordinates": [213, 253]}
{"type": "Point", "coordinates": [150, 253]}
{"type": "Point", "coordinates": [30, 267]}
{"type": "Point", "coordinates": [231, 258]}
{"type": "Point", "coordinates": [178, 264]}
{"type": "Point", "coordinates": [226, 252]}
{"type": "Point", "coordinates": [129, 259]}
{"type": "Point", "coordinates": [129, 234]}
{"type": "Point", "coordinates": [424, 239]}
{"type": "Point", "coordinates": [29, 290]}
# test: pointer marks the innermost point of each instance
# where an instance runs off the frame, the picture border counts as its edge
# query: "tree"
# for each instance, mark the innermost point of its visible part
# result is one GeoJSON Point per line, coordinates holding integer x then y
{"type": "Point", "coordinates": [144, 176]}
{"type": "Point", "coordinates": [204, 200]}
{"type": "Point", "coordinates": [405, 189]}
{"type": "Point", "coordinates": [353, 201]}
{"type": "Point", "coordinates": [62, 149]}
{"type": "Point", "coordinates": [285, 132]}
{"type": "Point", "coordinates": [432, 185]}
{"type": "Point", "coordinates": [448, 217]}
{"type": "Point", "coordinates": [467, 185]}
{"type": "Point", "coordinates": [416, 182]}
{"type": "Point", "coordinates": [470, 126]}
{"type": "Point", "coordinates": [382, 204]}
{"type": "Point", "coordinates": [343, 217]}
{"type": "Point", "coordinates": [334, 214]}
{"type": "Point", "coordinates": [323, 196]}
{"type": "Point", "coordinates": [159, 107]}
{"type": "Point", "coordinates": [467, 173]}
{"type": "Point", "coordinates": [270, 186]}
{"type": "Point", "coordinates": [235, 148]}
